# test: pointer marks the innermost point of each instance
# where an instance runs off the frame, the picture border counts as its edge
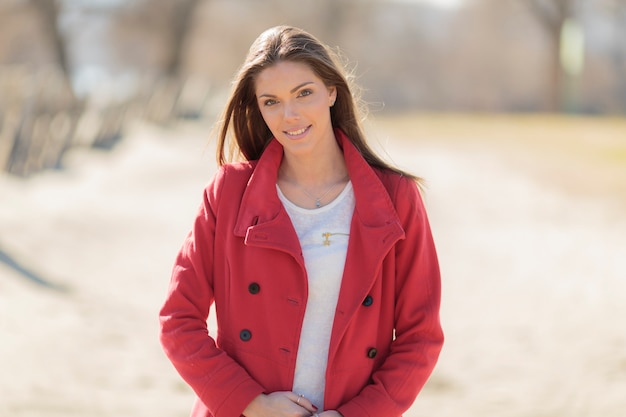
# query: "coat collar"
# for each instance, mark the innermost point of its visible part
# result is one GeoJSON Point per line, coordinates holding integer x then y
{"type": "Point", "coordinates": [260, 203]}
{"type": "Point", "coordinates": [374, 230]}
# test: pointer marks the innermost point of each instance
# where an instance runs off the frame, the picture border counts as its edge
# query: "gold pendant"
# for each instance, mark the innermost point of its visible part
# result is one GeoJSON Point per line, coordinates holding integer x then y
{"type": "Point", "coordinates": [327, 235]}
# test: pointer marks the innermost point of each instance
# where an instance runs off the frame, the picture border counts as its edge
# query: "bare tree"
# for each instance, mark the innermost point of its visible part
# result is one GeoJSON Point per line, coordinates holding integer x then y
{"type": "Point", "coordinates": [163, 26]}
{"type": "Point", "coordinates": [49, 11]}
{"type": "Point", "coordinates": [552, 14]}
{"type": "Point", "coordinates": [616, 9]}
{"type": "Point", "coordinates": [182, 17]}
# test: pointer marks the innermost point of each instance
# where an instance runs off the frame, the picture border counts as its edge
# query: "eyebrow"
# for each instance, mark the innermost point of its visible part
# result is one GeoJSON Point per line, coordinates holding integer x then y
{"type": "Point", "coordinates": [293, 90]}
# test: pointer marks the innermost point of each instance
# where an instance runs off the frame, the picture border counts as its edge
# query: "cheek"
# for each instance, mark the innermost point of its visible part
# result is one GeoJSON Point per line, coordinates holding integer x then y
{"type": "Point", "coordinates": [267, 115]}
{"type": "Point", "coordinates": [322, 109]}
{"type": "Point", "coordinates": [271, 119]}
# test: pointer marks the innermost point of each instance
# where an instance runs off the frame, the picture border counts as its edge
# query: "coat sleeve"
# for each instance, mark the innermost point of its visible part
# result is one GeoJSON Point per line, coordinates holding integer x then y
{"type": "Point", "coordinates": [418, 333]}
{"type": "Point", "coordinates": [221, 384]}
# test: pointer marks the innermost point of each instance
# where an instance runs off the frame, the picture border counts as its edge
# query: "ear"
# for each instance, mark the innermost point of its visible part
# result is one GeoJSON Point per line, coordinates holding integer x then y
{"type": "Point", "coordinates": [332, 96]}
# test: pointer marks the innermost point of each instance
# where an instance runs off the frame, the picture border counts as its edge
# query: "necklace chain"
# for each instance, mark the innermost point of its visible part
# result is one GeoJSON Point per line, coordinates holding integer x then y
{"type": "Point", "coordinates": [318, 200]}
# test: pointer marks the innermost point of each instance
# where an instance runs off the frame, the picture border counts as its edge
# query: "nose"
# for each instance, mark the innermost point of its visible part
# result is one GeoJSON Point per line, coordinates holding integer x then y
{"type": "Point", "coordinates": [290, 111]}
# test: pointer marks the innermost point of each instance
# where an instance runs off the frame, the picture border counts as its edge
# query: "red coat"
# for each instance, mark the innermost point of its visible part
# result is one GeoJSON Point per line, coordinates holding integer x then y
{"type": "Point", "coordinates": [244, 255]}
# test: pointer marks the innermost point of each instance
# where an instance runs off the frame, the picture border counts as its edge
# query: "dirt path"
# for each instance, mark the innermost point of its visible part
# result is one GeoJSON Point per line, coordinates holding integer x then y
{"type": "Point", "coordinates": [534, 271]}
{"type": "Point", "coordinates": [534, 283]}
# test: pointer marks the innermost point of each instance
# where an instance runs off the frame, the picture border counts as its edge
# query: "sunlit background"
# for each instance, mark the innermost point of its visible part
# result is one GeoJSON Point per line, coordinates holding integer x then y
{"type": "Point", "coordinates": [511, 110]}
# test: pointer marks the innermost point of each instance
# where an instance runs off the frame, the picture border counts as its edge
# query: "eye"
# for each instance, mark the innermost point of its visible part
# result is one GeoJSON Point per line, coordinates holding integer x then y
{"type": "Point", "coordinates": [305, 92]}
{"type": "Point", "coordinates": [269, 102]}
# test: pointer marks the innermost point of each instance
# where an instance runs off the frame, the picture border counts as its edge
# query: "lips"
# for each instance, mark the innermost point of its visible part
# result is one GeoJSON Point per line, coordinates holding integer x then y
{"type": "Point", "coordinates": [298, 132]}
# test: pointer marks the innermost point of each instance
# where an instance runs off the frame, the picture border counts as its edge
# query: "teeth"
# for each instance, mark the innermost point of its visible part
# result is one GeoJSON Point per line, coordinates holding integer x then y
{"type": "Point", "coordinates": [297, 132]}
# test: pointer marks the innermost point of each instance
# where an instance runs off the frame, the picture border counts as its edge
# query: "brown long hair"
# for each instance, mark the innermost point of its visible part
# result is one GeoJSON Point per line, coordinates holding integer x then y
{"type": "Point", "coordinates": [250, 135]}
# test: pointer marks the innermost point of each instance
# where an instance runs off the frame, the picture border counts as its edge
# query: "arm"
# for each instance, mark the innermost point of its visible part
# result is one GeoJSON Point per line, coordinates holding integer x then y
{"type": "Point", "coordinates": [221, 383]}
{"type": "Point", "coordinates": [419, 336]}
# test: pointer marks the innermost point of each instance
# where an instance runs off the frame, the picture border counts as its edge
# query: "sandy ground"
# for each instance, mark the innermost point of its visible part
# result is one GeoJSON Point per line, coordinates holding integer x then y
{"type": "Point", "coordinates": [534, 283]}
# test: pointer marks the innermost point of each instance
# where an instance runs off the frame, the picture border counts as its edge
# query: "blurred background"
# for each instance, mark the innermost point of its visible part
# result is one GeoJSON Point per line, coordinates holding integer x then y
{"type": "Point", "coordinates": [77, 70]}
{"type": "Point", "coordinates": [512, 110]}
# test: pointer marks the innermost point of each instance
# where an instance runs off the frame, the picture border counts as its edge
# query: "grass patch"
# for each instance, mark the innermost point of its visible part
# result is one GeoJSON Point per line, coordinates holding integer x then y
{"type": "Point", "coordinates": [584, 155]}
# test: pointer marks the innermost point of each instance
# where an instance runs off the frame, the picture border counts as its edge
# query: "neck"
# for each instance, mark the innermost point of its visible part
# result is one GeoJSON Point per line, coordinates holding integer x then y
{"type": "Point", "coordinates": [314, 170]}
{"type": "Point", "coordinates": [313, 180]}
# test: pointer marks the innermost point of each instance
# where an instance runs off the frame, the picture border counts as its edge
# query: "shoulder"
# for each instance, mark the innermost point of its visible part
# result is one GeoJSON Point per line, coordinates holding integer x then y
{"type": "Point", "coordinates": [404, 192]}
{"type": "Point", "coordinates": [237, 170]}
{"type": "Point", "coordinates": [394, 182]}
{"type": "Point", "coordinates": [229, 180]}
{"type": "Point", "coordinates": [233, 173]}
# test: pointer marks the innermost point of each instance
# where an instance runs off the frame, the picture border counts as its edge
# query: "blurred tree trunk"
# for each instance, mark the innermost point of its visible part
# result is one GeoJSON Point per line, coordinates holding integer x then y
{"type": "Point", "coordinates": [182, 17]}
{"type": "Point", "coordinates": [49, 12]}
{"type": "Point", "coordinates": [617, 9]}
{"type": "Point", "coordinates": [552, 14]}
{"type": "Point", "coordinates": [334, 14]}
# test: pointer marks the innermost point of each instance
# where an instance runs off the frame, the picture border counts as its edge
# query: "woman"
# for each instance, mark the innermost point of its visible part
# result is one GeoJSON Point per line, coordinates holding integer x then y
{"type": "Point", "coordinates": [317, 254]}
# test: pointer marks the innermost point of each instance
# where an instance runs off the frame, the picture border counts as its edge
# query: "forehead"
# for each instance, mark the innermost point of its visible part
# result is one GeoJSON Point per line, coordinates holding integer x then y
{"type": "Point", "coordinates": [284, 75]}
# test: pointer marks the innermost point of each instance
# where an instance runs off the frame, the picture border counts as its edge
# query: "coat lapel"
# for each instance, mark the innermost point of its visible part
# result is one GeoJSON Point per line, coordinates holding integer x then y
{"type": "Point", "coordinates": [262, 221]}
{"type": "Point", "coordinates": [374, 230]}
{"type": "Point", "coordinates": [375, 226]}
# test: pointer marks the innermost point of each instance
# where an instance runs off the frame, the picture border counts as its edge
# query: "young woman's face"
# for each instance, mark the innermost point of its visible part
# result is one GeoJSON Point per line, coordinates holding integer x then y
{"type": "Point", "coordinates": [295, 105]}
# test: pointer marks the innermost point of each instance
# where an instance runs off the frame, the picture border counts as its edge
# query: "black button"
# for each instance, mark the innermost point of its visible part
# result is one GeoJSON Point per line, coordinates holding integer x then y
{"type": "Point", "coordinates": [372, 352]}
{"type": "Point", "coordinates": [245, 335]}
{"type": "Point", "coordinates": [254, 288]}
{"type": "Point", "coordinates": [368, 301]}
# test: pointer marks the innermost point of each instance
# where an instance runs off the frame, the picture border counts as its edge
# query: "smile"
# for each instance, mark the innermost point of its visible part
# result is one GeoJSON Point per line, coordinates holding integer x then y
{"type": "Point", "coordinates": [297, 132]}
